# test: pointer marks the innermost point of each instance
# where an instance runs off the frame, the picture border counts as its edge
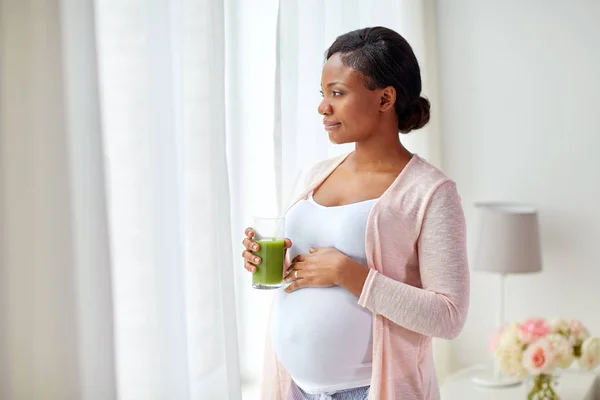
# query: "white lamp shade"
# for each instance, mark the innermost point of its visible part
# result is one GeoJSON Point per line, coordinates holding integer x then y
{"type": "Point", "coordinates": [508, 239]}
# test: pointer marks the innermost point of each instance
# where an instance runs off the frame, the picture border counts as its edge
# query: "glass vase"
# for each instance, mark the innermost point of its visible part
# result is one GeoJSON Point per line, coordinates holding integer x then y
{"type": "Point", "coordinates": [543, 387]}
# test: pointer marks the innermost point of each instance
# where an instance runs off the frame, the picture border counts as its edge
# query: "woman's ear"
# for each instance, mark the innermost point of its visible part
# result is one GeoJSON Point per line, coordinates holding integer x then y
{"type": "Point", "coordinates": [388, 99]}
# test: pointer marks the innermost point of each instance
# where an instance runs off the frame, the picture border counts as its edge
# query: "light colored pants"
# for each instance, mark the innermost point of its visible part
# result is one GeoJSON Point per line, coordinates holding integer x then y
{"type": "Point", "coordinates": [361, 393]}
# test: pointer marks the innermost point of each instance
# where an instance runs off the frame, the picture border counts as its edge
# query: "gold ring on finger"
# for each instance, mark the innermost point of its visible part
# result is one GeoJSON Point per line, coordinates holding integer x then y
{"type": "Point", "coordinates": [296, 274]}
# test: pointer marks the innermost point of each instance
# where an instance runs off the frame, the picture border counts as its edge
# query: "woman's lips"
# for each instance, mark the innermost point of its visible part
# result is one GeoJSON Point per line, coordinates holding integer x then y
{"type": "Point", "coordinates": [330, 126]}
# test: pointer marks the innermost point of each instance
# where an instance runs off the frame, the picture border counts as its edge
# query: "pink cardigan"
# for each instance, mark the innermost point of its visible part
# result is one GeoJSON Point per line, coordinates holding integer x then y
{"type": "Point", "coordinates": [418, 283]}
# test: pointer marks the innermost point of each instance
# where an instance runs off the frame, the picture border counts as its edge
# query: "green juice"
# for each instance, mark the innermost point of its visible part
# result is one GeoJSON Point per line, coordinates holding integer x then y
{"type": "Point", "coordinates": [269, 273]}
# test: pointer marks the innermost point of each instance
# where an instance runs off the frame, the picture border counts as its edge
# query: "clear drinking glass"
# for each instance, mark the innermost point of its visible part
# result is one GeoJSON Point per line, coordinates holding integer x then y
{"type": "Point", "coordinates": [269, 233]}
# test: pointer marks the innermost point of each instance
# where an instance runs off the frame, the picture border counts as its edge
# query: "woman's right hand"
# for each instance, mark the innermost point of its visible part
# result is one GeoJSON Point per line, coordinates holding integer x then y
{"type": "Point", "coordinates": [250, 259]}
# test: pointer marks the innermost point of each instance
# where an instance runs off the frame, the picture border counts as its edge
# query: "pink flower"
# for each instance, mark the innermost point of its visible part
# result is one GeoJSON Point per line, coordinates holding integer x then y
{"type": "Point", "coordinates": [577, 332]}
{"type": "Point", "coordinates": [538, 358]}
{"type": "Point", "coordinates": [577, 329]}
{"type": "Point", "coordinates": [533, 329]}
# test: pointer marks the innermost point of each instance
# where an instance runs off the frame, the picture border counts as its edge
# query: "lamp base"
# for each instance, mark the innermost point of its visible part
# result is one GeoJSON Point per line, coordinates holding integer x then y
{"type": "Point", "coordinates": [488, 379]}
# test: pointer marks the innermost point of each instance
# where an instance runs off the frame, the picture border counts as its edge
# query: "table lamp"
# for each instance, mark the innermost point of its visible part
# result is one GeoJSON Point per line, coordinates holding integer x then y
{"type": "Point", "coordinates": [507, 243]}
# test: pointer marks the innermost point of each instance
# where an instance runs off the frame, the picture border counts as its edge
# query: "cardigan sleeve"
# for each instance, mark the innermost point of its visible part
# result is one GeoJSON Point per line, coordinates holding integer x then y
{"type": "Point", "coordinates": [439, 309]}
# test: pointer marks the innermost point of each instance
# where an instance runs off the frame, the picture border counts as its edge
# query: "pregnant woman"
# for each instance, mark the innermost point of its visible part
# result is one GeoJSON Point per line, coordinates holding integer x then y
{"type": "Point", "coordinates": [378, 263]}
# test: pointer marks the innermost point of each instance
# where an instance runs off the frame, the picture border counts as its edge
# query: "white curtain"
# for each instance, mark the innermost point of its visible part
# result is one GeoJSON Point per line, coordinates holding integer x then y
{"type": "Point", "coordinates": [251, 60]}
{"type": "Point", "coordinates": [115, 244]}
{"type": "Point", "coordinates": [162, 74]}
{"type": "Point", "coordinates": [56, 315]}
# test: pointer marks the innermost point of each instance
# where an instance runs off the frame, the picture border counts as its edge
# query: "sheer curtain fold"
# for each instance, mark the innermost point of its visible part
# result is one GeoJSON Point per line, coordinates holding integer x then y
{"type": "Point", "coordinates": [55, 289]}
{"type": "Point", "coordinates": [116, 264]}
{"type": "Point", "coordinates": [169, 198]}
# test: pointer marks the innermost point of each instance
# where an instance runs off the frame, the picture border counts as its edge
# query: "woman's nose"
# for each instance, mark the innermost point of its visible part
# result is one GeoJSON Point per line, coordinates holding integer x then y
{"type": "Point", "coordinates": [324, 107]}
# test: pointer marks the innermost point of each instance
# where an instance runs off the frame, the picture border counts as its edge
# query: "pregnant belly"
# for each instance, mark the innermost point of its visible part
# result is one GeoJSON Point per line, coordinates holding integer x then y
{"type": "Point", "coordinates": [322, 337]}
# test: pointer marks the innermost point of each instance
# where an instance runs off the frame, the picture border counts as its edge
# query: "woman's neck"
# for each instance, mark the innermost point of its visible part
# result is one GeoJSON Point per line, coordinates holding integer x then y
{"type": "Point", "coordinates": [379, 153]}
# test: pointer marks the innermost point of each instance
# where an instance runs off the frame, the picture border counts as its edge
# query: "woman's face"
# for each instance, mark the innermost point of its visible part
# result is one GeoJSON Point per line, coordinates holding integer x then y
{"type": "Point", "coordinates": [351, 112]}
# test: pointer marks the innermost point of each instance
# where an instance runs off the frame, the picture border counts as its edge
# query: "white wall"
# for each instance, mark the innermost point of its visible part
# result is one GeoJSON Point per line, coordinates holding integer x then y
{"type": "Point", "coordinates": [520, 122]}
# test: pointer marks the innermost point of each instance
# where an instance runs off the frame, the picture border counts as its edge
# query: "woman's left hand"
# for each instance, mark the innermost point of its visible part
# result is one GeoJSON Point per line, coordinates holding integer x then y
{"type": "Point", "coordinates": [320, 268]}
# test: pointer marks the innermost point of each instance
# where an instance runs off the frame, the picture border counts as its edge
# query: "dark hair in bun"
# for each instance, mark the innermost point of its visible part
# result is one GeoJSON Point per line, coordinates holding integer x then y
{"type": "Point", "coordinates": [385, 58]}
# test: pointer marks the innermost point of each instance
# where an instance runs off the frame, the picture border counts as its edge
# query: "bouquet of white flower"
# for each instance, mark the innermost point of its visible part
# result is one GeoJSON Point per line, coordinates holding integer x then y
{"type": "Point", "coordinates": [536, 348]}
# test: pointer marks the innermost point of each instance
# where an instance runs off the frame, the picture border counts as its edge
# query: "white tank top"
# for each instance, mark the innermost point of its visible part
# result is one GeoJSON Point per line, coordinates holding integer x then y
{"type": "Point", "coordinates": [321, 335]}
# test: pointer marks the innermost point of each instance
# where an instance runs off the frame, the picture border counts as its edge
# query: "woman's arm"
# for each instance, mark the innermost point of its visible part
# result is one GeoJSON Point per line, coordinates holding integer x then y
{"type": "Point", "coordinates": [440, 308]}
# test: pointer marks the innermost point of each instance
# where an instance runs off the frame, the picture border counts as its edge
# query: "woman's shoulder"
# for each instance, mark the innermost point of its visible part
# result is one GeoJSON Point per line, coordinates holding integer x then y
{"type": "Point", "coordinates": [417, 184]}
{"type": "Point", "coordinates": [421, 185]}
{"type": "Point", "coordinates": [424, 173]}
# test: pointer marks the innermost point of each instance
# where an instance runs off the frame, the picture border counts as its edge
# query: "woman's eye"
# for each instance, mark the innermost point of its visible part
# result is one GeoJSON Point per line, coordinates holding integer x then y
{"type": "Point", "coordinates": [334, 93]}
